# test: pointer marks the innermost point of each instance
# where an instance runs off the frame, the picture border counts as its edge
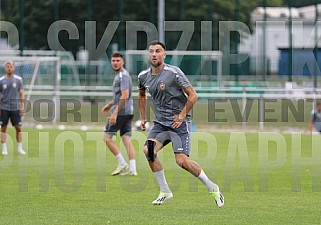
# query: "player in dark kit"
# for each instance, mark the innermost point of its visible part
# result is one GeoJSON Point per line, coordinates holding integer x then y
{"type": "Point", "coordinates": [121, 117]}
{"type": "Point", "coordinates": [173, 97]}
{"type": "Point", "coordinates": [315, 118]}
{"type": "Point", "coordinates": [12, 105]}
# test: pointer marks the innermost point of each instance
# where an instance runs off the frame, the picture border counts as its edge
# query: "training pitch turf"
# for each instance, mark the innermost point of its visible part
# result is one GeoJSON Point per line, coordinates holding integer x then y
{"type": "Point", "coordinates": [65, 180]}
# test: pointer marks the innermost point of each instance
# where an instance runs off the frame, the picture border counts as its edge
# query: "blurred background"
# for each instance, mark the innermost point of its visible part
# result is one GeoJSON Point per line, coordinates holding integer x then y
{"type": "Point", "coordinates": [259, 49]}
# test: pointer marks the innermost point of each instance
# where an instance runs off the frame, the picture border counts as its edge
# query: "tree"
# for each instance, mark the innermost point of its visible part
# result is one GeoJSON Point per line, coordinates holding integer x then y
{"type": "Point", "coordinates": [39, 15]}
{"type": "Point", "coordinates": [300, 3]}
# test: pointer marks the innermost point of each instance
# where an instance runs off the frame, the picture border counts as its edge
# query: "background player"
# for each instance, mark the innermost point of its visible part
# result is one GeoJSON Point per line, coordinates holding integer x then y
{"type": "Point", "coordinates": [315, 118]}
{"type": "Point", "coordinates": [12, 105]}
{"type": "Point", "coordinates": [173, 97]}
{"type": "Point", "coordinates": [122, 114]}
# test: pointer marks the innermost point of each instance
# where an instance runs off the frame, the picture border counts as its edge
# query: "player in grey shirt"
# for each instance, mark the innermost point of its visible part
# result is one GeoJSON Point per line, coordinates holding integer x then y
{"type": "Point", "coordinates": [121, 117]}
{"type": "Point", "coordinates": [12, 105]}
{"type": "Point", "coordinates": [315, 118]}
{"type": "Point", "coordinates": [173, 97]}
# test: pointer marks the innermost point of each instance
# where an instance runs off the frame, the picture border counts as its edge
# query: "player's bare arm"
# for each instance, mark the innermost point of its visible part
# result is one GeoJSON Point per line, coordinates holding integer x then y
{"type": "Point", "coordinates": [192, 98]}
{"type": "Point", "coordinates": [107, 107]}
{"type": "Point", "coordinates": [142, 108]}
{"type": "Point", "coordinates": [121, 104]}
{"type": "Point", "coordinates": [22, 102]}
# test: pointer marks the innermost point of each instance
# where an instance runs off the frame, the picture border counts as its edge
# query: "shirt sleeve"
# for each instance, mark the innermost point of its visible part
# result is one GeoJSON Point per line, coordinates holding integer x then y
{"type": "Point", "coordinates": [181, 79]}
{"type": "Point", "coordinates": [140, 84]}
{"type": "Point", "coordinates": [124, 83]}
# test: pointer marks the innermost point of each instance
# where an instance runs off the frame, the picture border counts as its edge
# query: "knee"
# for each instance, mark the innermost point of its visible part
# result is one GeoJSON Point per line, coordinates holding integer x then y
{"type": "Point", "coordinates": [145, 150]}
{"type": "Point", "coordinates": [3, 129]}
{"type": "Point", "coordinates": [18, 128]}
{"type": "Point", "coordinates": [149, 151]}
{"type": "Point", "coordinates": [108, 141]}
{"type": "Point", "coordinates": [182, 161]}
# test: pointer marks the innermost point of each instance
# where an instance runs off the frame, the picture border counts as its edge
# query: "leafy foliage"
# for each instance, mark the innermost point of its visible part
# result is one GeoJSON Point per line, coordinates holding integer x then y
{"type": "Point", "coordinates": [39, 15]}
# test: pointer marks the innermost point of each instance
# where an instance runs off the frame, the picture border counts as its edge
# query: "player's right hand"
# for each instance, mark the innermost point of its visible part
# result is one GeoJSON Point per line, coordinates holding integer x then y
{"type": "Point", "coordinates": [105, 109]}
{"type": "Point", "coordinates": [142, 125]}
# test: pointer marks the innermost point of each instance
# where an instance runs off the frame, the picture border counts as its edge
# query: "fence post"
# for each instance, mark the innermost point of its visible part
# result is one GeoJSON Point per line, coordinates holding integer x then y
{"type": "Point", "coordinates": [56, 97]}
{"type": "Point", "coordinates": [261, 112]}
{"type": "Point", "coordinates": [244, 108]}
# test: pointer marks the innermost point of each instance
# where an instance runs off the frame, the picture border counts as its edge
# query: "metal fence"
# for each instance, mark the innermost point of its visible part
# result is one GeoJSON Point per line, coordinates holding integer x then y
{"type": "Point", "coordinates": [215, 94]}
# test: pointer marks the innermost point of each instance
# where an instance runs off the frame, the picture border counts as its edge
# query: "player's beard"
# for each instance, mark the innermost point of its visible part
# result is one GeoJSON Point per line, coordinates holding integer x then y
{"type": "Point", "coordinates": [9, 73]}
{"type": "Point", "coordinates": [156, 64]}
{"type": "Point", "coordinates": [117, 70]}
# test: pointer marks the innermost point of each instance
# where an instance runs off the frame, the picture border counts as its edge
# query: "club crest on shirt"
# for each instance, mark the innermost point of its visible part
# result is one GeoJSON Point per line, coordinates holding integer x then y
{"type": "Point", "coordinates": [4, 86]}
{"type": "Point", "coordinates": [14, 85]}
{"type": "Point", "coordinates": [162, 85]}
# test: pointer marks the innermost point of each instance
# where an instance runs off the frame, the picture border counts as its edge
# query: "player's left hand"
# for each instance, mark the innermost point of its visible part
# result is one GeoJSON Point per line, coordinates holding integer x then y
{"type": "Point", "coordinates": [112, 119]}
{"type": "Point", "coordinates": [21, 112]}
{"type": "Point", "coordinates": [177, 121]}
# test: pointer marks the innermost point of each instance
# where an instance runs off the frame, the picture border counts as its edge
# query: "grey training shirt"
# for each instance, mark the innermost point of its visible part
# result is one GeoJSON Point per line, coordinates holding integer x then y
{"type": "Point", "coordinates": [123, 81]}
{"type": "Point", "coordinates": [166, 89]}
{"type": "Point", "coordinates": [9, 89]}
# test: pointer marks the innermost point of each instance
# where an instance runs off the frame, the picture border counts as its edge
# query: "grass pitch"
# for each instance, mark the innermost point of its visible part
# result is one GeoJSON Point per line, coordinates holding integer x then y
{"type": "Point", "coordinates": [65, 180]}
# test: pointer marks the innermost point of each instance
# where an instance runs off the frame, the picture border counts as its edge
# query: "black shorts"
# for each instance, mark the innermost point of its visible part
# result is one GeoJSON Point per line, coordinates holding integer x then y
{"type": "Point", "coordinates": [14, 117]}
{"type": "Point", "coordinates": [123, 124]}
{"type": "Point", "coordinates": [180, 137]}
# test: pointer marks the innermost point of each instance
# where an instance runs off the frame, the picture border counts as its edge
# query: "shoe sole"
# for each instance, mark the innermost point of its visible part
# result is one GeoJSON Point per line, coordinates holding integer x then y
{"type": "Point", "coordinates": [130, 175]}
{"type": "Point", "coordinates": [219, 202]}
{"type": "Point", "coordinates": [222, 200]}
{"type": "Point", "coordinates": [119, 173]}
{"type": "Point", "coordinates": [160, 203]}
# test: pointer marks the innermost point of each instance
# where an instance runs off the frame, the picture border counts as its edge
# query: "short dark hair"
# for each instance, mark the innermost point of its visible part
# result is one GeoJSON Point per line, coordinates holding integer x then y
{"type": "Point", "coordinates": [156, 42]}
{"type": "Point", "coordinates": [117, 54]}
